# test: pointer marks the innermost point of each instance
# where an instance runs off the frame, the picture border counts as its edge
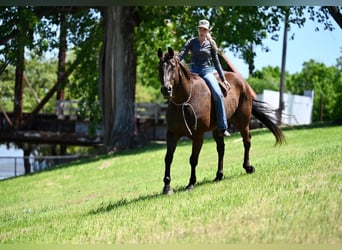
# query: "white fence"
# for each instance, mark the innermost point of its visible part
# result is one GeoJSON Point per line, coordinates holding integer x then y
{"type": "Point", "coordinates": [298, 109]}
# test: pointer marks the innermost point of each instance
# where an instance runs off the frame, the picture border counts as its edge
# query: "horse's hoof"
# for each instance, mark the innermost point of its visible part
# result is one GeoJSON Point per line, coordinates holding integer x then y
{"type": "Point", "coordinates": [249, 169]}
{"type": "Point", "coordinates": [219, 177]}
{"type": "Point", "coordinates": [189, 187]}
{"type": "Point", "coordinates": [167, 190]}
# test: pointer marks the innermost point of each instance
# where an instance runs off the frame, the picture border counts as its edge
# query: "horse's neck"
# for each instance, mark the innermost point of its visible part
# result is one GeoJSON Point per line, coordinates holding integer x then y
{"type": "Point", "coordinates": [183, 90]}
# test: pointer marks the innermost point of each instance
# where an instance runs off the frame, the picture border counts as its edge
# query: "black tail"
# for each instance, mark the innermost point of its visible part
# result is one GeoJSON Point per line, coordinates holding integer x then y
{"type": "Point", "coordinates": [261, 112]}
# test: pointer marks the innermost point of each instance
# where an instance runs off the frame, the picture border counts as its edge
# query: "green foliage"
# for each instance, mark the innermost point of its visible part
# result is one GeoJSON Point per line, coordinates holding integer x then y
{"type": "Point", "coordinates": [338, 85]}
{"type": "Point", "coordinates": [12, 25]}
{"type": "Point", "coordinates": [327, 84]}
{"type": "Point", "coordinates": [160, 31]}
{"type": "Point", "coordinates": [325, 81]}
{"type": "Point", "coordinates": [84, 35]}
{"type": "Point", "coordinates": [293, 198]}
{"type": "Point", "coordinates": [234, 28]}
{"type": "Point", "coordinates": [7, 88]}
{"type": "Point", "coordinates": [266, 78]}
{"type": "Point", "coordinates": [321, 16]}
{"type": "Point", "coordinates": [84, 81]}
{"type": "Point", "coordinates": [147, 94]}
{"type": "Point", "coordinates": [40, 77]}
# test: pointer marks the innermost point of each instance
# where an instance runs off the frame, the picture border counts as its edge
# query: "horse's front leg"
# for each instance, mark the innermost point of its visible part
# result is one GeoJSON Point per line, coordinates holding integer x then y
{"type": "Point", "coordinates": [220, 147]}
{"type": "Point", "coordinates": [171, 142]}
{"type": "Point", "coordinates": [197, 143]}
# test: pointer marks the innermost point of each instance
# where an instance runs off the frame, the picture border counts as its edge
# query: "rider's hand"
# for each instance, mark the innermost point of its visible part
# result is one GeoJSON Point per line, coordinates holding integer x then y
{"type": "Point", "coordinates": [227, 84]}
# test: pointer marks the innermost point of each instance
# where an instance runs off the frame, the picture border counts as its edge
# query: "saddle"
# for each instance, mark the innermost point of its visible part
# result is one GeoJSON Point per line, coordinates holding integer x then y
{"type": "Point", "coordinates": [223, 86]}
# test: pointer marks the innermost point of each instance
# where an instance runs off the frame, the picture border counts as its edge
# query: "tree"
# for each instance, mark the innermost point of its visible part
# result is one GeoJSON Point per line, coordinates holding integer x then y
{"type": "Point", "coordinates": [338, 83]}
{"type": "Point", "coordinates": [266, 78]}
{"type": "Point", "coordinates": [327, 84]}
{"type": "Point", "coordinates": [117, 77]}
{"type": "Point", "coordinates": [84, 82]}
{"type": "Point", "coordinates": [334, 11]}
{"type": "Point", "coordinates": [6, 88]}
{"type": "Point", "coordinates": [236, 28]}
{"type": "Point", "coordinates": [77, 22]}
{"type": "Point", "coordinates": [133, 34]}
{"type": "Point", "coordinates": [39, 76]}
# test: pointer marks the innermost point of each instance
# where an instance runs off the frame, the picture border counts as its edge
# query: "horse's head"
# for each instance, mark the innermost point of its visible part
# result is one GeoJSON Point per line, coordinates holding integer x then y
{"type": "Point", "coordinates": [167, 71]}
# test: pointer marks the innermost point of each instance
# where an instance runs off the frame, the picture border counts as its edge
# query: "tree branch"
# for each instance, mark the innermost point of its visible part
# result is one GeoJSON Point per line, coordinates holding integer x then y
{"type": "Point", "coordinates": [59, 84]}
{"type": "Point", "coordinates": [336, 14]}
{"type": "Point", "coordinates": [10, 36]}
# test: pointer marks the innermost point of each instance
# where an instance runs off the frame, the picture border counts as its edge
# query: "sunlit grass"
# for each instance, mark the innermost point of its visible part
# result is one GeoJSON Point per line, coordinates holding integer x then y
{"type": "Point", "coordinates": [294, 196]}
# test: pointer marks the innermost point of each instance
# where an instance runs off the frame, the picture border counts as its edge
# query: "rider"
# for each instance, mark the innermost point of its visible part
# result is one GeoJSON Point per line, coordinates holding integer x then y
{"type": "Point", "coordinates": [203, 49]}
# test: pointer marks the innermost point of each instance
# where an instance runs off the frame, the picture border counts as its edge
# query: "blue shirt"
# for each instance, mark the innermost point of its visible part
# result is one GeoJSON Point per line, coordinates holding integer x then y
{"type": "Point", "coordinates": [202, 55]}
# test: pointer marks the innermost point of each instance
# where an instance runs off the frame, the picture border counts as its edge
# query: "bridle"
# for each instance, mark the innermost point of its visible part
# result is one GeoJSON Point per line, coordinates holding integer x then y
{"type": "Point", "coordinates": [167, 59]}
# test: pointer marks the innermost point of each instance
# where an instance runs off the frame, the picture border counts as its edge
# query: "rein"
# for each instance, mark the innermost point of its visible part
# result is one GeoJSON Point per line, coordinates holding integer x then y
{"type": "Point", "coordinates": [183, 105]}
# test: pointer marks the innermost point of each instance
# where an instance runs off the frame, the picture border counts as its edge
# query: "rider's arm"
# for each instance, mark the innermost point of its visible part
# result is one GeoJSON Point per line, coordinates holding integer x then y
{"type": "Point", "coordinates": [185, 50]}
{"type": "Point", "coordinates": [217, 65]}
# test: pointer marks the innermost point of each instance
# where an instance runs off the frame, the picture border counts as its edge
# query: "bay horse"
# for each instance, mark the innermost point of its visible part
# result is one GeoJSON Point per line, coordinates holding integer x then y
{"type": "Point", "coordinates": [190, 113]}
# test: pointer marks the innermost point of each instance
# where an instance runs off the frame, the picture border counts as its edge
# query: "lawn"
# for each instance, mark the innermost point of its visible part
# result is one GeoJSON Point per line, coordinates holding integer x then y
{"type": "Point", "coordinates": [293, 197]}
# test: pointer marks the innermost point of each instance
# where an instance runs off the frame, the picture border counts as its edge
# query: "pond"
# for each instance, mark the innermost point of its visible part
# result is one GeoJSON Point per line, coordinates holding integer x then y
{"type": "Point", "coordinates": [12, 161]}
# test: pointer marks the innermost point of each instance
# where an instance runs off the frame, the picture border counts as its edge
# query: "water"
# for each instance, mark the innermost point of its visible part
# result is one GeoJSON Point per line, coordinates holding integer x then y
{"type": "Point", "coordinates": [11, 161]}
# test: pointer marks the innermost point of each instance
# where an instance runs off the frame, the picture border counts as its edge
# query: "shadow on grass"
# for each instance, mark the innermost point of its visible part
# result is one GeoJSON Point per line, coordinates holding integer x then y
{"type": "Point", "coordinates": [109, 206]}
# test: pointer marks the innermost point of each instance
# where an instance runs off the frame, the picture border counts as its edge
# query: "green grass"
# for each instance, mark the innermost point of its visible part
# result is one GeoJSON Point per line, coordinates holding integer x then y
{"type": "Point", "coordinates": [293, 197]}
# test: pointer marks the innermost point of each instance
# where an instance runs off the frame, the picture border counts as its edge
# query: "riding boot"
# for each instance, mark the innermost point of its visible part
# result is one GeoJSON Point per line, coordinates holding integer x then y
{"type": "Point", "coordinates": [224, 133]}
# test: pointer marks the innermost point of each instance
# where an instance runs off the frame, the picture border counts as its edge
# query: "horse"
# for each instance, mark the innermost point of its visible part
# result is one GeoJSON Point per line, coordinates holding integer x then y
{"type": "Point", "coordinates": [190, 113]}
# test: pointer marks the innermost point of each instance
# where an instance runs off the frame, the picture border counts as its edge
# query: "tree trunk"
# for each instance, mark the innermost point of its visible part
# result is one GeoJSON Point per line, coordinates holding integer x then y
{"type": "Point", "coordinates": [117, 77]}
{"type": "Point", "coordinates": [19, 76]}
{"type": "Point", "coordinates": [251, 65]}
{"type": "Point", "coordinates": [18, 94]}
{"type": "Point", "coordinates": [61, 58]}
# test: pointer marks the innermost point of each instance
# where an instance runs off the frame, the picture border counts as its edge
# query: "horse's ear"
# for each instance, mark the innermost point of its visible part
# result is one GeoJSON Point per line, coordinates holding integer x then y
{"type": "Point", "coordinates": [170, 51]}
{"type": "Point", "coordinates": [160, 53]}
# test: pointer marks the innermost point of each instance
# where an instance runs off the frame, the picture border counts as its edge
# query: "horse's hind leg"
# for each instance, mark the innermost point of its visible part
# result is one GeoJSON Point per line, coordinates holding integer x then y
{"type": "Point", "coordinates": [246, 136]}
{"type": "Point", "coordinates": [197, 143]}
{"type": "Point", "coordinates": [171, 141]}
{"type": "Point", "coordinates": [220, 147]}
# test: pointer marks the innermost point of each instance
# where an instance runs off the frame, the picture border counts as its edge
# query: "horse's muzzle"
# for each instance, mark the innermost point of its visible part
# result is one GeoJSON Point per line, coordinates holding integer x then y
{"type": "Point", "coordinates": [166, 91]}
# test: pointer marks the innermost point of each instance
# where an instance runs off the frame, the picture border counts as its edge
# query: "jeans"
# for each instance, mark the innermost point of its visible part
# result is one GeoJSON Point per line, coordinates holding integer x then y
{"type": "Point", "coordinates": [207, 74]}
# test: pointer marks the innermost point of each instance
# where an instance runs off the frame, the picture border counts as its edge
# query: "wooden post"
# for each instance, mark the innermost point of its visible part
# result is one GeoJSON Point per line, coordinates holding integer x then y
{"type": "Point", "coordinates": [283, 72]}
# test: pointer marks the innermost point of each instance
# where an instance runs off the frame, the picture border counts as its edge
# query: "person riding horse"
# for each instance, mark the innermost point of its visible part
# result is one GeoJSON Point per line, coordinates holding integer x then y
{"type": "Point", "coordinates": [189, 113]}
{"type": "Point", "coordinates": [204, 50]}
